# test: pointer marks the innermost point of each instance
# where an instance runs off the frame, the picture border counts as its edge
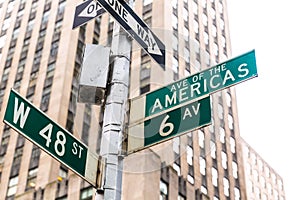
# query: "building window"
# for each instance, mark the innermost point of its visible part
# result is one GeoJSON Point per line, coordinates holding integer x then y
{"type": "Point", "coordinates": [180, 197]}
{"type": "Point", "coordinates": [237, 195]}
{"type": "Point", "coordinates": [234, 169]}
{"type": "Point", "coordinates": [201, 138]}
{"type": "Point", "coordinates": [86, 194]}
{"type": "Point", "coordinates": [145, 70]}
{"type": "Point", "coordinates": [145, 89]}
{"type": "Point", "coordinates": [163, 190]}
{"type": "Point", "coordinates": [12, 186]}
{"type": "Point", "coordinates": [31, 178]}
{"type": "Point", "coordinates": [222, 134]}
{"type": "Point", "coordinates": [204, 20]}
{"type": "Point", "coordinates": [202, 163]}
{"type": "Point", "coordinates": [226, 186]}
{"type": "Point", "coordinates": [177, 168]}
{"type": "Point", "coordinates": [214, 173]}
{"type": "Point", "coordinates": [230, 121]}
{"type": "Point", "coordinates": [147, 2]}
{"type": "Point", "coordinates": [189, 155]}
{"type": "Point", "coordinates": [15, 168]}
{"type": "Point", "coordinates": [232, 144]}
{"type": "Point", "coordinates": [224, 159]}
{"type": "Point", "coordinates": [203, 189]}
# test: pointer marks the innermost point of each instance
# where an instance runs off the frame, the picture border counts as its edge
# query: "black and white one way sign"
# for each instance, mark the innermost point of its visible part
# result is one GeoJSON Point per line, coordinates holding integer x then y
{"type": "Point", "coordinates": [137, 28]}
{"type": "Point", "coordinates": [86, 11]}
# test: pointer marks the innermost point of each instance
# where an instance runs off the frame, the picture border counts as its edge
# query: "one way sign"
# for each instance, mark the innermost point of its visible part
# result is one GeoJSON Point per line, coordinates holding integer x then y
{"type": "Point", "coordinates": [137, 28]}
{"type": "Point", "coordinates": [86, 11]}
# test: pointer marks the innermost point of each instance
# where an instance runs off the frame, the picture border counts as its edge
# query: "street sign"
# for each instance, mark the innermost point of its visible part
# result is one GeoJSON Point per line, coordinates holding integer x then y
{"type": "Point", "coordinates": [86, 11]}
{"type": "Point", "coordinates": [33, 124]}
{"type": "Point", "coordinates": [194, 87]}
{"type": "Point", "coordinates": [169, 124]}
{"type": "Point", "coordinates": [137, 28]}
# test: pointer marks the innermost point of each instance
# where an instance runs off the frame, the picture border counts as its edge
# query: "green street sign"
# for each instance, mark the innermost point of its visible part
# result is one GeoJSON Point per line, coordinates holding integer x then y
{"type": "Point", "coordinates": [194, 87]}
{"type": "Point", "coordinates": [169, 125]}
{"type": "Point", "coordinates": [34, 125]}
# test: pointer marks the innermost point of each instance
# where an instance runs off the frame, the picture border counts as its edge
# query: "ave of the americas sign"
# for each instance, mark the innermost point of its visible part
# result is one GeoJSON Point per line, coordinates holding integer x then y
{"type": "Point", "coordinates": [183, 105]}
{"type": "Point", "coordinates": [34, 125]}
{"type": "Point", "coordinates": [196, 86]}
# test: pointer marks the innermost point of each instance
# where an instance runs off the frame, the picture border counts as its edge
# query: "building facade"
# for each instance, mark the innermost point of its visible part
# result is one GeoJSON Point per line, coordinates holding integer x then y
{"type": "Point", "coordinates": [41, 58]}
{"type": "Point", "coordinates": [262, 181]}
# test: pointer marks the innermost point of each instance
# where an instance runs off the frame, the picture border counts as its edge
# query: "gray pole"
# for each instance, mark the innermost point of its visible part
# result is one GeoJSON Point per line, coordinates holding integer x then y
{"type": "Point", "coordinates": [114, 114]}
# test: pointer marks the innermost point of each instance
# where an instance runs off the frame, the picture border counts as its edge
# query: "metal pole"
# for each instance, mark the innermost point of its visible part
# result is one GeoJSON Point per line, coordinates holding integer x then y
{"type": "Point", "coordinates": [114, 114]}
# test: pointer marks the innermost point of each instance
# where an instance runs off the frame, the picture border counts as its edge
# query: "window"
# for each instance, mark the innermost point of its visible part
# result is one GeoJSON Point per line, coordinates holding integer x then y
{"type": "Point", "coordinates": [174, 3]}
{"type": "Point", "coordinates": [232, 144]}
{"type": "Point", "coordinates": [175, 64]}
{"type": "Point", "coordinates": [15, 168]}
{"type": "Point", "coordinates": [31, 178]}
{"type": "Point", "coordinates": [174, 22]}
{"type": "Point", "coordinates": [226, 186]}
{"type": "Point", "coordinates": [147, 2]}
{"type": "Point", "coordinates": [189, 155]}
{"type": "Point", "coordinates": [216, 49]}
{"type": "Point", "coordinates": [224, 159]}
{"type": "Point", "coordinates": [203, 189]}
{"type": "Point", "coordinates": [12, 186]}
{"type": "Point", "coordinates": [186, 54]}
{"type": "Point", "coordinates": [212, 13]}
{"type": "Point", "coordinates": [190, 179]}
{"type": "Point", "coordinates": [185, 14]}
{"type": "Point", "coordinates": [202, 165]}
{"type": "Point", "coordinates": [176, 145]}
{"type": "Point", "coordinates": [180, 197]}
{"type": "Point", "coordinates": [6, 24]}
{"type": "Point", "coordinates": [201, 138]}
{"type": "Point", "coordinates": [212, 149]}
{"type": "Point", "coordinates": [163, 190]}
{"type": "Point", "coordinates": [222, 134]}
{"type": "Point", "coordinates": [195, 7]}
{"type": "Point", "coordinates": [145, 70]}
{"type": "Point", "coordinates": [214, 172]}
{"type": "Point", "coordinates": [230, 121]}
{"type": "Point", "coordinates": [177, 168]}
{"type": "Point", "coordinates": [10, 6]}
{"type": "Point", "coordinates": [206, 38]}
{"type": "Point", "coordinates": [220, 111]}
{"type": "Point", "coordinates": [234, 169]}
{"type": "Point", "coordinates": [86, 194]}
{"type": "Point", "coordinates": [203, 3]}
{"type": "Point", "coordinates": [237, 193]}
{"type": "Point", "coordinates": [204, 20]}
{"type": "Point", "coordinates": [228, 99]}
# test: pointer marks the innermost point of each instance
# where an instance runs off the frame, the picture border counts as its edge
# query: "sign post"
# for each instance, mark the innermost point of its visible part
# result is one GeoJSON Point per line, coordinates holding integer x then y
{"type": "Point", "coordinates": [34, 125]}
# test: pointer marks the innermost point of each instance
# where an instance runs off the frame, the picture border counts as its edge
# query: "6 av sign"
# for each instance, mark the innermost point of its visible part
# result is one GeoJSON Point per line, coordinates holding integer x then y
{"type": "Point", "coordinates": [137, 28]}
{"type": "Point", "coordinates": [169, 125]}
{"type": "Point", "coordinates": [33, 124]}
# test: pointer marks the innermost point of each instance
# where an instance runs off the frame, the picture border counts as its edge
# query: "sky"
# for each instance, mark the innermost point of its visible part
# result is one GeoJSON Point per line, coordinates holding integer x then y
{"type": "Point", "coordinates": [269, 105]}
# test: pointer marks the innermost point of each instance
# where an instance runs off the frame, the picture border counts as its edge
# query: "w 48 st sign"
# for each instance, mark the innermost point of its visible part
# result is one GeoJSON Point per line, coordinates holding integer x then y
{"type": "Point", "coordinates": [52, 138]}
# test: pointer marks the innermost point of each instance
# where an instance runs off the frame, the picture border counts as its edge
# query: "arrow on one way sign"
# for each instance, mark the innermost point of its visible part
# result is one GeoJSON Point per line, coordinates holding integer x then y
{"type": "Point", "coordinates": [137, 28]}
{"type": "Point", "coordinates": [86, 11]}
